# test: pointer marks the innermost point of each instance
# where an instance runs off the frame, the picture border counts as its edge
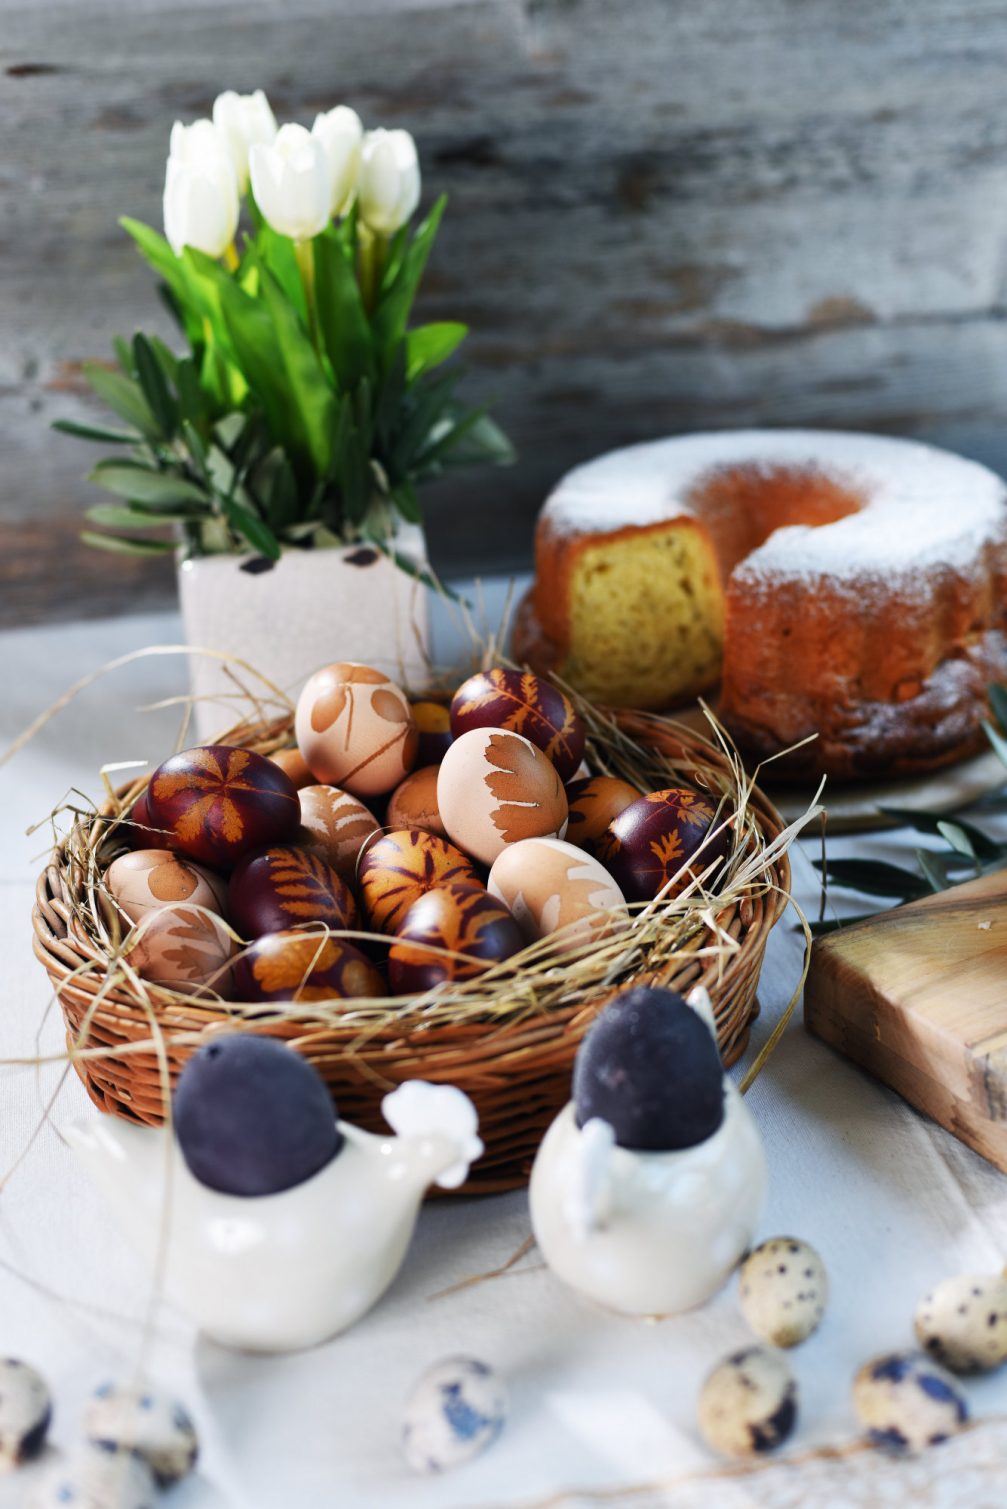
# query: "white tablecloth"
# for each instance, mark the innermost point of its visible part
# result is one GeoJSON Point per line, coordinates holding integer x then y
{"type": "Point", "coordinates": [893, 1203]}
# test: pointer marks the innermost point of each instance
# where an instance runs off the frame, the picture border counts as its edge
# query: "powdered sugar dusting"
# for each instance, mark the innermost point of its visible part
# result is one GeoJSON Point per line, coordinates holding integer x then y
{"type": "Point", "coordinates": [922, 506]}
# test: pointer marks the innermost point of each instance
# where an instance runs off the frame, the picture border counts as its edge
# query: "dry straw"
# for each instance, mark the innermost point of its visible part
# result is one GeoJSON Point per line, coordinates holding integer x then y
{"type": "Point", "coordinates": [508, 1037]}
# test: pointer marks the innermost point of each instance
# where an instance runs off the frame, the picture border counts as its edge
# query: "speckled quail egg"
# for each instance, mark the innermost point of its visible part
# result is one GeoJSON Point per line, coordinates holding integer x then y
{"type": "Point", "coordinates": [457, 1410]}
{"type": "Point", "coordinates": [748, 1404]}
{"type": "Point", "coordinates": [783, 1290]}
{"type": "Point", "coordinates": [93, 1478]}
{"type": "Point", "coordinates": [906, 1402]}
{"type": "Point", "coordinates": [25, 1412]}
{"type": "Point", "coordinates": [155, 1426]}
{"type": "Point", "coordinates": [963, 1322]}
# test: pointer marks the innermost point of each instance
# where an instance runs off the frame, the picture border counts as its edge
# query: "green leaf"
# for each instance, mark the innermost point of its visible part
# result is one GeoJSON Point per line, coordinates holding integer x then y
{"type": "Point", "coordinates": [121, 546]}
{"type": "Point", "coordinates": [998, 703]}
{"type": "Point", "coordinates": [121, 516]}
{"type": "Point", "coordinates": [485, 442]}
{"type": "Point", "coordinates": [342, 319]}
{"type": "Point", "coordinates": [188, 299]}
{"type": "Point", "coordinates": [277, 253]}
{"type": "Point", "coordinates": [429, 345]}
{"type": "Point", "coordinates": [934, 869]}
{"type": "Point", "coordinates": [955, 834]}
{"type": "Point", "coordinates": [407, 503]}
{"type": "Point", "coordinates": [124, 397]}
{"type": "Point", "coordinates": [138, 483]}
{"type": "Point", "coordinates": [96, 432]}
{"type": "Point", "coordinates": [931, 822]}
{"type": "Point", "coordinates": [872, 876]}
{"type": "Point", "coordinates": [396, 298]}
{"type": "Point", "coordinates": [309, 391]}
{"type": "Point", "coordinates": [247, 523]}
{"type": "Point", "coordinates": [997, 740]}
{"type": "Point", "coordinates": [155, 388]}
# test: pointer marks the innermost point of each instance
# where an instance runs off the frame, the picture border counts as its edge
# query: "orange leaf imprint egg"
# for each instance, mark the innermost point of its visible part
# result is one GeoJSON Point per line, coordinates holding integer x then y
{"type": "Point", "coordinates": [550, 885]}
{"type": "Point", "coordinates": [282, 887]}
{"type": "Point", "coordinates": [152, 878]}
{"type": "Point", "coordinates": [401, 867]}
{"type": "Point", "coordinates": [594, 804]}
{"type": "Point", "coordinates": [183, 949]}
{"type": "Point", "coordinates": [414, 803]}
{"type": "Point", "coordinates": [335, 825]}
{"type": "Point", "coordinates": [496, 788]}
{"type": "Point", "coordinates": [661, 838]}
{"type": "Point", "coordinates": [295, 966]}
{"type": "Point", "coordinates": [525, 704]}
{"type": "Point", "coordinates": [219, 802]}
{"type": "Point", "coordinates": [355, 729]}
{"type": "Point", "coordinates": [291, 762]}
{"type": "Point", "coordinates": [452, 933]}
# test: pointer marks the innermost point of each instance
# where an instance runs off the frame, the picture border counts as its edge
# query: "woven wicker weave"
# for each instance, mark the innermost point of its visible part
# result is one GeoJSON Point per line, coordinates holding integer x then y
{"type": "Point", "coordinates": [516, 1071]}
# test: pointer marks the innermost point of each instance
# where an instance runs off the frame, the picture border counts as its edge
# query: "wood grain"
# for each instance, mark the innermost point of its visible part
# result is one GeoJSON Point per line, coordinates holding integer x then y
{"type": "Point", "coordinates": [662, 217]}
{"type": "Point", "coordinates": [917, 996]}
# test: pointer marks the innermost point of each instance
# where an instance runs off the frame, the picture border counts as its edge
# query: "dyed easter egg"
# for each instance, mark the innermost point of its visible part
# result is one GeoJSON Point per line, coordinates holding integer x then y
{"type": "Point", "coordinates": [292, 763]}
{"type": "Point", "coordinates": [154, 1426]}
{"type": "Point", "coordinates": [462, 918]}
{"type": "Point", "coordinates": [304, 966]}
{"type": "Point", "coordinates": [25, 1413]}
{"type": "Point", "coordinates": [659, 838]}
{"type": "Point", "coordinates": [278, 888]}
{"type": "Point", "coordinates": [551, 885]}
{"type": "Point", "coordinates": [219, 803]}
{"type": "Point", "coordinates": [414, 803]}
{"type": "Point", "coordinates": [524, 704]}
{"type": "Point", "coordinates": [455, 1412]}
{"type": "Point", "coordinates": [433, 729]}
{"type": "Point", "coordinates": [148, 878]}
{"type": "Point", "coordinates": [355, 729]}
{"type": "Point", "coordinates": [182, 949]}
{"type": "Point", "coordinates": [139, 830]}
{"type": "Point", "coordinates": [335, 825]}
{"type": "Point", "coordinates": [495, 788]}
{"type": "Point", "coordinates": [401, 867]}
{"type": "Point", "coordinates": [252, 1117]}
{"type": "Point", "coordinates": [595, 802]}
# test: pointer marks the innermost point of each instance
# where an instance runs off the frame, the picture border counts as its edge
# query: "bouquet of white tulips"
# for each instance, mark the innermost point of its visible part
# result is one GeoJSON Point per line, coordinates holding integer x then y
{"type": "Point", "coordinates": [305, 410]}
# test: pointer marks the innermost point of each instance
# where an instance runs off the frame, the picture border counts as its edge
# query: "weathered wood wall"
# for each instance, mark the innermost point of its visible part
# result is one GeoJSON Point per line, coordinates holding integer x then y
{"type": "Point", "coordinates": [664, 215]}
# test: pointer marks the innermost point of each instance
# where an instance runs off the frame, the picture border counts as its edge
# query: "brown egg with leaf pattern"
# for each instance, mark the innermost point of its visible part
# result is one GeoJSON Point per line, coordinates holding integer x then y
{"type": "Point", "coordinates": [147, 879]}
{"type": "Point", "coordinates": [400, 867]}
{"type": "Point", "coordinates": [284, 886]}
{"type": "Point", "coordinates": [495, 788]}
{"type": "Point", "coordinates": [218, 802]}
{"type": "Point", "coordinates": [182, 948]}
{"type": "Point", "coordinates": [595, 802]}
{"type": "Point", "coordinates": [335, 825]}
{"type": "Point", "coordinates": [355, 729]}
{"type": "Point", "coordinates": [293, 764]}
{"type": "Point", "coordinates": [452, 933]}
{"type": "Point", "coordinates": [660, 843]}
{"type": "Point", "coordinates": [414, 803]}
{"type": "Point", "coordinates": [525, 704]}
{"type": "Point", "coordinates": [555, 887]}
{"type": "Point", "coordinates": [304, 966]}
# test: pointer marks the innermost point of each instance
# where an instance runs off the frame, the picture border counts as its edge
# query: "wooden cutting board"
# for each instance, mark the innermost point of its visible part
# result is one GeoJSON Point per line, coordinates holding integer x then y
{"type": "Point", "coordinates": [918, 996]}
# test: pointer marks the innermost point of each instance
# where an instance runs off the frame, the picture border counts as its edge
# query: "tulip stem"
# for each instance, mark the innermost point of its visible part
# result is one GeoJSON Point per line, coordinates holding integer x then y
{"type": "Point", "coordinates": [231, 258]}
{"type": "Point", "coordinates": [373, 250]}
{"type": "Point", "coordinates": [306, 263]}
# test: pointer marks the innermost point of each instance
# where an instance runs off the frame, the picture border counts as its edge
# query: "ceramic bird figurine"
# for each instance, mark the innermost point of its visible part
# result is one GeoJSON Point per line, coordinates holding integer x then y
{"type": "Point", "coordinates": [284, 1225]}
{"type": "Point", "coordinates": [648, 1185]}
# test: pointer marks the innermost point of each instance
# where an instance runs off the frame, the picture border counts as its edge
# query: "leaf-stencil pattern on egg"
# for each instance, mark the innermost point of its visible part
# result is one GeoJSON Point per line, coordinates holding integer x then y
{"type": "Point", "coordinates": [217, 781]}
{"type": "Point", "coordinates": [403, 866]}
{"type": "Point", "coordinates": [184, 947]}
{"type": "Point", "coordinates": [337, 822]}
{"type": "Point", "coordinates": [527, 705]}
{"type": "Point", "coordinates": [303, 884]}
{"type": "Point", "coordinates": [573, 889]}
{"type": "Point", "coordinates": [520, 768]}
{"type": "Point", "coordinates": [308, 967]}
{"type": "Point", "coordinates": [329, 707]}
{"type": "Point", "coordinates": [172, 881]}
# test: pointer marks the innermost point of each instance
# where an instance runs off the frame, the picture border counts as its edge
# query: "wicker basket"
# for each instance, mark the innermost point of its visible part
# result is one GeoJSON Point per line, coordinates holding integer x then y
{"type": "Point", "coordinates": [517, 1070]}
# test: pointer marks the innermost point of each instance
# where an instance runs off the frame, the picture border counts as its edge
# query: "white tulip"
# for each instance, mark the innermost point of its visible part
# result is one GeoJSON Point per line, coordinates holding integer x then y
{"type": "Point", "coordinates": [389, 180]}
{"type": "Point", "coordinates": [201, 204]}
{"type": "Point", "coordinates": [340, 133]}
{"type": "Point", "coordinates": [291, 183]}
{"type": "Point", "coordinates": [198, 145]}
{"type": "Point", "coordinates": [242, 120]}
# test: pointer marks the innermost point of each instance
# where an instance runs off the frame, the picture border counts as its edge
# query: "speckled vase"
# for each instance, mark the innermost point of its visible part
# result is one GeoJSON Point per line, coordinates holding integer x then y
{"type": "Point", "coordinates": [310, 608]}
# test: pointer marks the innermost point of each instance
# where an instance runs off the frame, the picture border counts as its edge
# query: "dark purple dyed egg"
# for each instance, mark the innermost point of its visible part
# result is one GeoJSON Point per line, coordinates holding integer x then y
{"type": "Point", "coordinates": [464, 919]}
{"type": "Point", "coordinates": [304, 966]}
{"type": "Point", "coordinates": [433, 729]}
{"type": "Point", "coordinates": [660, 839]}
{"type": "Point", "coordinates": [218, 803]}
{"type": "Point", "coordinates": [524, 704]}
{"type": "Point", "coordinates": [280, 888]}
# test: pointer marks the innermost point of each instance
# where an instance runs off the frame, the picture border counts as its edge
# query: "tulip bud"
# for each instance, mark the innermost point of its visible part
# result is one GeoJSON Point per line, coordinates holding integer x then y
{"type": "Point", "coordinates": [291, 183]}
{"type": "Point", "coordinates": [201, 204]}
{"type": "Point", "coordinates": [340, 133]}
{"type": "Point", "coordinates": [389, 180]}
{"type": "Point", "coordinates": [242, 120]}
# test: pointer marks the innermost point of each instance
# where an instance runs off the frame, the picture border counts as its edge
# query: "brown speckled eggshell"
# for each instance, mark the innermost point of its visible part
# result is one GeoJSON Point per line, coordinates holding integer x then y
{"type": "Point", "coordinates": [335, 825]}
{"type": "Point", "coordinates": [433, 731]}
{"type": "Point", "coordinates": [304, 966]}
{"type": "Point", "coordinates": [401, 867]}
{"type": "Point", "coordinates": [149, 878]}
{"type": "Point", "coordinates": [183, 949]}
{"type": "Point", "coordinates": [495, 788]}
{"type": "Point", "coordinates": [220, 803]}
{"type": "Point", "coordinates": [278, 888]}
{"type": "Point", "coordinates": [525, 704]}
{"type": "Point", "coordinates": [595, 802]}
{"type": "Point", "coordinates": [414, 803]}
{"type": "Point", "coordinates": [462, 918]}
{"type": "Point", "coordinates": [656, 837]}
{"type": "Point", "coordinates": [355, 729]}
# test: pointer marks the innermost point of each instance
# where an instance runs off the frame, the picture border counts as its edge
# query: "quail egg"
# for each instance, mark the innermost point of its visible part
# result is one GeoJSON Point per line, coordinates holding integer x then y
{"type": "Point", "coordinates": [25, 1412]}
{"type": "Point", "coordinates": [457, 1410]}
{"type": "Point", "coordinates": [155, 1426]}
{"type": "Point", "coordinates": [783, 1290]}
{"type": "Point", "coordinates": [963, 1322]}
{"type": "Point", "coordinates": [748, 1404]}
{"type": "Point", "coordinates": [93, 1478]}
{"type": "Point", "coordinates": [906, 1402]}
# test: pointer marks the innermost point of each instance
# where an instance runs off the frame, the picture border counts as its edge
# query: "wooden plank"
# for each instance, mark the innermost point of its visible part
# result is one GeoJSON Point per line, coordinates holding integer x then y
{"type": "Point", "coordinates": [662, 216]}
{"type": "Point", "coordinates": [917, 997]}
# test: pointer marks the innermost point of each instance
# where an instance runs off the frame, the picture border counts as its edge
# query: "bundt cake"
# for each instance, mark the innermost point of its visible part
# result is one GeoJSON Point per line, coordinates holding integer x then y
{"type": "Point", "coordinates": [846, 586]}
